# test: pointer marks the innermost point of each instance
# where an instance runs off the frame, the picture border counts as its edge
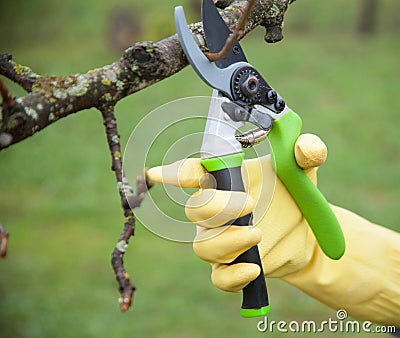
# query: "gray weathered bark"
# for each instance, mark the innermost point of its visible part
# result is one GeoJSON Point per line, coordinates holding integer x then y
{"type": "Point", "coordinates": [51, 98]}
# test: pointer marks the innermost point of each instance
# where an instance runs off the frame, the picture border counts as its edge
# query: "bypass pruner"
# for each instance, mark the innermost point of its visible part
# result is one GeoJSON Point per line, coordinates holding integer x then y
{"type": "Point", "coordinates": [242, 95]}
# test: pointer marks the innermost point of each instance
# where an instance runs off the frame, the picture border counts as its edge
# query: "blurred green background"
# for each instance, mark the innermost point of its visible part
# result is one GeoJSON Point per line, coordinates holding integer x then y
{"type": "Point", "coordinates": [58, 196]}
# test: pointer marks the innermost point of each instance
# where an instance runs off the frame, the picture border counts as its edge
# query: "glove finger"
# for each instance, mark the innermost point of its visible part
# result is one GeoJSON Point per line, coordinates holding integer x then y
{"type": "Point", "coordinates": [186, 173]}
{"type": "Point", "coordinates": [224, 244]}
{"type": "Point", "coordinates": [310, 151]}
{"type": "Point", "coordinates": [233, 278]}
{"type": "Point", "coordinates": [212, 208]}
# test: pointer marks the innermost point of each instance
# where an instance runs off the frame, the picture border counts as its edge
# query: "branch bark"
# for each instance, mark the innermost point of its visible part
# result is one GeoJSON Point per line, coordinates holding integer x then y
{"type": "Point", "coordinates": [3, 242]}
{"type": "Point", "coordinates": [234, 36]}
{"type": "Point", "coordinates": [51, 98]}
{"type": "Point", "coordinates": [129, 201]}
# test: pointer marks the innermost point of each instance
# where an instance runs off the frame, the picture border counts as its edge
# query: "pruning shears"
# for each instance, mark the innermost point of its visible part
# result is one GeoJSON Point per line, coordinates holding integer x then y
{"type": "Point", "coordinates": [242, 95]}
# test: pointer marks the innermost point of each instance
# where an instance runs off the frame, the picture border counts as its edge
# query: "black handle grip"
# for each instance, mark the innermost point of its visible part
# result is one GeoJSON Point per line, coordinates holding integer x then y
{"type": "Point", "coordinates": [255, 295]}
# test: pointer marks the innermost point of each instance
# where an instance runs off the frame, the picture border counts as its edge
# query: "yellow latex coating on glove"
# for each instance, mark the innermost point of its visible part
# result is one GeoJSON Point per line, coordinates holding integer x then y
{"type": "Point", "coordinates": [365, 281]}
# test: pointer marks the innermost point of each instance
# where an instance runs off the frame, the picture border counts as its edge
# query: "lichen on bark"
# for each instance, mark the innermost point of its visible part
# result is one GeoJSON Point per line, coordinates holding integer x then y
{"type": "Point", "coordinates": [141, 65]}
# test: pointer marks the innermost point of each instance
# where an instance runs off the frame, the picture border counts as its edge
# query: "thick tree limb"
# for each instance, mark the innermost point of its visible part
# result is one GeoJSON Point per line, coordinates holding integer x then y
{"type": "Point", "coordinates": [51, 98]}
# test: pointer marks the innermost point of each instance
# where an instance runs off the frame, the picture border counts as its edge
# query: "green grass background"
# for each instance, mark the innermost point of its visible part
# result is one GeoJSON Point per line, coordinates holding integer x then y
{"type": "Point", "coordinates": [58, 197]}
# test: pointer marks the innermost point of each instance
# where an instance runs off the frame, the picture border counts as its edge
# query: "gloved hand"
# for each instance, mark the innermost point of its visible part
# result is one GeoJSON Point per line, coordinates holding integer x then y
{"type": "Point", "coordinates": [365, 281]}
{"type": "Point", "coordinates": [289, 243]}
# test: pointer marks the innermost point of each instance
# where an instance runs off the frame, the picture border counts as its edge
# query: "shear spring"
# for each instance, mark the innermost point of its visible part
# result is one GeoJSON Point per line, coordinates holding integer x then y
{"type": "Point", "coordinates": [252, 137]}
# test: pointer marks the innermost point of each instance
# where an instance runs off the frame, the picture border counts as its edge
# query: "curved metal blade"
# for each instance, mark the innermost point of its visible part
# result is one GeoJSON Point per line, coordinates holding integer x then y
{"type": "Point", "coordinates": [216, 32]}
{"type": "Point", "coordinates": [215, 77]}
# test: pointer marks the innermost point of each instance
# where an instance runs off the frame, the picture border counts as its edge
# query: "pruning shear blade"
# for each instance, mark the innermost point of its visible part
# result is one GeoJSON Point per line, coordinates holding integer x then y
{"type": "Point", "coordinates": [208, 72]}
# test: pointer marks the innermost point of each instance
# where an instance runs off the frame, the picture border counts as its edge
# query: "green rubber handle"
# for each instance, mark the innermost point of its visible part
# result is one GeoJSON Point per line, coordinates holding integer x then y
{"type": "Point", "coordinates": [310, 200]}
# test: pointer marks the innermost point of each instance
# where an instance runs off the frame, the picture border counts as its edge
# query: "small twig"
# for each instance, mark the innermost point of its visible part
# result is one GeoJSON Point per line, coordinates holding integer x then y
{"type": "Point", "coordinates": [129, 201]}
{"type": "Point", "coordinates": [3, 242]}
{"type": "Point", "coordinates": [8, 98]}
{"type": "Point", "coordinates": [20, 74]}
{"type": "Point", "coordinates": [126, 289]}
{"type": "Point", "coordinates": [234, 36]}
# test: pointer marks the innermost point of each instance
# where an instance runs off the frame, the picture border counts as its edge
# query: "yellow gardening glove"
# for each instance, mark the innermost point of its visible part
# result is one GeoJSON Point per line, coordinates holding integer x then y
{"type": "Point", "coordinates": [365, 281]}
{"type": "Point", "coordinates": [288, 234]}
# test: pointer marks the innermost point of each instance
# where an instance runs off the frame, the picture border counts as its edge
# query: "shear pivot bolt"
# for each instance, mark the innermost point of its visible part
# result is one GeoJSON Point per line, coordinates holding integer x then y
{"type": "Point", "coordinates": [250, 86]}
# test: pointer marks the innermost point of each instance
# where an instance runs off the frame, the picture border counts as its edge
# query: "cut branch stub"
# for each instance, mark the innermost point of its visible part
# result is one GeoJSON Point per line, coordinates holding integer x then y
{"type": "Point", "coordinates": [272, 15]}
{"type": "Point", "coordinates": [22, 75]}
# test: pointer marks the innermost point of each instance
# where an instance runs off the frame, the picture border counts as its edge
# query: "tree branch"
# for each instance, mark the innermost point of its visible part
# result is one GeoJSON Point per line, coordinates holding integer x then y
{"type": "Point", "coordinates": [3, 242]}
{"type": "Point", "coordinates": [126, 289]}
{"type": "Point", "coordinates": [51, 98]}
{"type": "Point", "coordinates": [129, 201]}
{"type": "Point", "coordinates": [234, 36]}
